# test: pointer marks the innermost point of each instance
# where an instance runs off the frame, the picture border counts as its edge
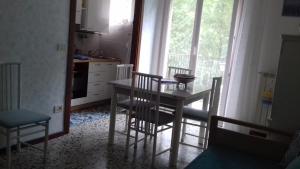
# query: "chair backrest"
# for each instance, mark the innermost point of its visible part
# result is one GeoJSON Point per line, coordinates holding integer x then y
{"type": "Point", "coordinates": [10, 86]}
{"type": "Point", "coordinates": [177, 70]}
{"type": "Point", "coordinates": [124, 71]}
{"type": "Point", "coordinates": [215, 96]}
{"type": "Point", "coordinates": [145, 90]}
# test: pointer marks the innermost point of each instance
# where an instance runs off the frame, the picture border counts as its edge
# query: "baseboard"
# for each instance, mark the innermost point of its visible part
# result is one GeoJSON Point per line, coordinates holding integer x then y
{"type": "Point", "coordinates": [88, 105]}
{"type": "Point", "coordinates": [52, 136]}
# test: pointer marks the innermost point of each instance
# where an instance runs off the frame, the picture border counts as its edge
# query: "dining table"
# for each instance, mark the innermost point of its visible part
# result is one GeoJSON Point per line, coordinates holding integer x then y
{"type": "Point", "coordinates": [171, 94]}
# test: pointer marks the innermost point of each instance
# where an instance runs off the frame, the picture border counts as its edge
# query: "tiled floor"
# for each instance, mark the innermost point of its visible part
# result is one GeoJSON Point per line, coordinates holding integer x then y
{"type": "Point", "coordinates": [85, 147]}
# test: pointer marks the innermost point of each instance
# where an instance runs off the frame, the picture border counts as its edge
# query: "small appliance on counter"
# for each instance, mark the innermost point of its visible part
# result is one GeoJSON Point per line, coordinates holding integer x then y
{"type": "Point", "coordinates": [81, 57]}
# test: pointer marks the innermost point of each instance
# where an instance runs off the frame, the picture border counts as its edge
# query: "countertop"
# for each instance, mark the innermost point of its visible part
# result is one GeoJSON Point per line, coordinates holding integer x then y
{"type": "Point", "coordinates": [96, 60]}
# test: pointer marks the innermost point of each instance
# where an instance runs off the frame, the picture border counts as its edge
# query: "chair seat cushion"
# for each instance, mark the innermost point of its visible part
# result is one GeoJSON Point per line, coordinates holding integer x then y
{"type": "Point", "coordinates": [218, 157]}
{"type": "Point", "coordinates": [15, 118]}
{"type": "Point", "coordinates": [126, 104]}
{"type": "Point", "coordinates": [195, 114]}
{"type": "Point", "coordinates": [163, 119]}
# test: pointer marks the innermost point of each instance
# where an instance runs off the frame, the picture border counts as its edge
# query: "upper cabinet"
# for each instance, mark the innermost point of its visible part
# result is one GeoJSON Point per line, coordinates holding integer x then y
{"type": "Point", "coordinates": [93, 15]}
{"type": "Point", "coordinates": [78, 11]}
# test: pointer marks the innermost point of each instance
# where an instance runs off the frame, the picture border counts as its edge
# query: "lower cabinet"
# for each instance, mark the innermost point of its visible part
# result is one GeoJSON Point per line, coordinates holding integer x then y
{"type": "Point", "coordinates": [100, 73]}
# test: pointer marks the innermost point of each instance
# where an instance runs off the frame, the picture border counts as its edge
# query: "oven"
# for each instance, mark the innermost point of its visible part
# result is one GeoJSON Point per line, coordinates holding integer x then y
{"type": "Point", "coordinates": [80, 79]}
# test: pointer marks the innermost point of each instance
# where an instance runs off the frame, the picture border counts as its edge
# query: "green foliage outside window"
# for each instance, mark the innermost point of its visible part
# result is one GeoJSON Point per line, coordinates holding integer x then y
{"type": "Point", "coordinates": [214, 37]}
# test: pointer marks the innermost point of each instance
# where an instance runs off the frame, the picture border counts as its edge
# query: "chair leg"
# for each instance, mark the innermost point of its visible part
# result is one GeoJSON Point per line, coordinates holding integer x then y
{"type": "Point", "coordinates": [206, 139]}
{"type": "Point", "coordinates": [147, 126]}
{"type": "Point", "coordinates": [18, 140]}
{"type": "Point", "coordinates": [154, 147]}
{"type": "Point", "coordinates": [136, 135]}
{"type": "Point", "coordinates": [8, 149]}
{"type": "Point", "coordinates": [126, 121]}
{"type": "Point", "coordinates": [46, 142]}
{"type": "Point", "coordinates": [201, 134]}
{"type": "Point", "coordinates": [151, 131]}
{"type": "Point", "coordinates": [183, 130]}
{"type": "Point", "coordinates": [127, 138]}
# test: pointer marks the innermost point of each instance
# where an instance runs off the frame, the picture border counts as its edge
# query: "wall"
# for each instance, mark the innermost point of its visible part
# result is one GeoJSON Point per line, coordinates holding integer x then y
{"type": "Point", "coordinates": [30, 32]}
{"type": "Point", "coordinates": [115, 43]}
{"type": "Point", "coordinates": [275, 26]}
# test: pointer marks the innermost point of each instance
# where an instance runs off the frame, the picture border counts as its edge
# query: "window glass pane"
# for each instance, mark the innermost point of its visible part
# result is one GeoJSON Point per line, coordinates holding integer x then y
{"type": "Point", "coordinates": [121, 12]}
{"type": "Point", "coordinates": [181, 32]}
{"type": "Point", "coordinates": [214, 40]}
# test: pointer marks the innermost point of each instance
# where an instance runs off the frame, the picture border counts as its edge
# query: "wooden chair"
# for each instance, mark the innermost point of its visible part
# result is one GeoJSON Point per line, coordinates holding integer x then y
{"type": "Point", "coordinates": [13, 119]}
{"type": "Point", "coordinates": [203, 116]}
{"type": "Point", "coordinates": [124, 71]}
{"type": "Point", "coordinates": [147, 117]}
{"type": "Point", "coordinates": [170, 75]}
{"type": "Point", "coordinates": [175, 70]}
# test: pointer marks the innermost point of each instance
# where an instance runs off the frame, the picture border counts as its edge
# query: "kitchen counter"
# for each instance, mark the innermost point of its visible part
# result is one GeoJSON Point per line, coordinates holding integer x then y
{"type": "Point", "coordinates": [96, 60]}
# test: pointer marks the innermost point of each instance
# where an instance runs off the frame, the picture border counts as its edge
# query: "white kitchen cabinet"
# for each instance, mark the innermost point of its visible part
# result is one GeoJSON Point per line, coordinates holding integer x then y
{"type": "Point", "coordinates": [100, 73]}
{"type": "Point", "coordinates": [95, 15]}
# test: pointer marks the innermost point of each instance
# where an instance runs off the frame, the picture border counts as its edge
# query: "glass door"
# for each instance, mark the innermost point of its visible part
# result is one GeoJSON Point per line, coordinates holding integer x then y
{"type": "Point", "coordinates": [214, 40]}
{"type": "Point", "coordinates": [199, 38]}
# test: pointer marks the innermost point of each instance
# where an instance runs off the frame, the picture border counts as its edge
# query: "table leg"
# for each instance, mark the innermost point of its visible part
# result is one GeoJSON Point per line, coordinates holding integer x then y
{"type": "Point", "coordinates": [8, 149]}
{"type": "Point", "coordinates": [176, 134]}
{"type": "Point", "coordinates": [112, 121]}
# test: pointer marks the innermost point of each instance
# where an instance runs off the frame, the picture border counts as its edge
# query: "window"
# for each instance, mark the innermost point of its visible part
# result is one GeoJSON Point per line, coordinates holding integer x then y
{"type": "Point", "coordinates": [121, 12]}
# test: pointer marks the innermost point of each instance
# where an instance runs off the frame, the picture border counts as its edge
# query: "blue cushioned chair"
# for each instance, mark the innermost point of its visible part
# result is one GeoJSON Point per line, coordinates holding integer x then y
{"type": "Point", "coordinates": [13, 119]}
{"type": "Point", "coordinates": [124, 71]}
{"type": "Point", "coordinates": [202, 115]}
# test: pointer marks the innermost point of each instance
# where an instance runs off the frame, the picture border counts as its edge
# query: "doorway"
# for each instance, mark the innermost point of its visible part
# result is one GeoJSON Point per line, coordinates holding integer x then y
{"type": "Point", "coordinates": [138, 10]}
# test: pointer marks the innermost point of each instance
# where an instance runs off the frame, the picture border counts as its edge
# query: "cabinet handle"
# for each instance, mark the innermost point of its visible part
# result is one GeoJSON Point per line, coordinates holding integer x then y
{"type": "Point", "coordinates": [96, 84]}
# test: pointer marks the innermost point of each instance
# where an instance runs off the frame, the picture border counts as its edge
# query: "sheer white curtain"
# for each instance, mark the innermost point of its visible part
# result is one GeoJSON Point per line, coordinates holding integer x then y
{"type": "Point", "coordinates": [242, 93]}
{"type": "Point", "coordinates": [154, 36]}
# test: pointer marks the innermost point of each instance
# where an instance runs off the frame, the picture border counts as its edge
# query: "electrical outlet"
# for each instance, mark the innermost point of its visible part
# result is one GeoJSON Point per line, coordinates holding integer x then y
{"type": "Point", "coordinates": [58, 109]}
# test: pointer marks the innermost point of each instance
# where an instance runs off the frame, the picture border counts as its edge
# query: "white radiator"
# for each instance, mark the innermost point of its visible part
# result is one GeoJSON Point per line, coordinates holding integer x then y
{"type": "Point", "coordinates": [10, 86]}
